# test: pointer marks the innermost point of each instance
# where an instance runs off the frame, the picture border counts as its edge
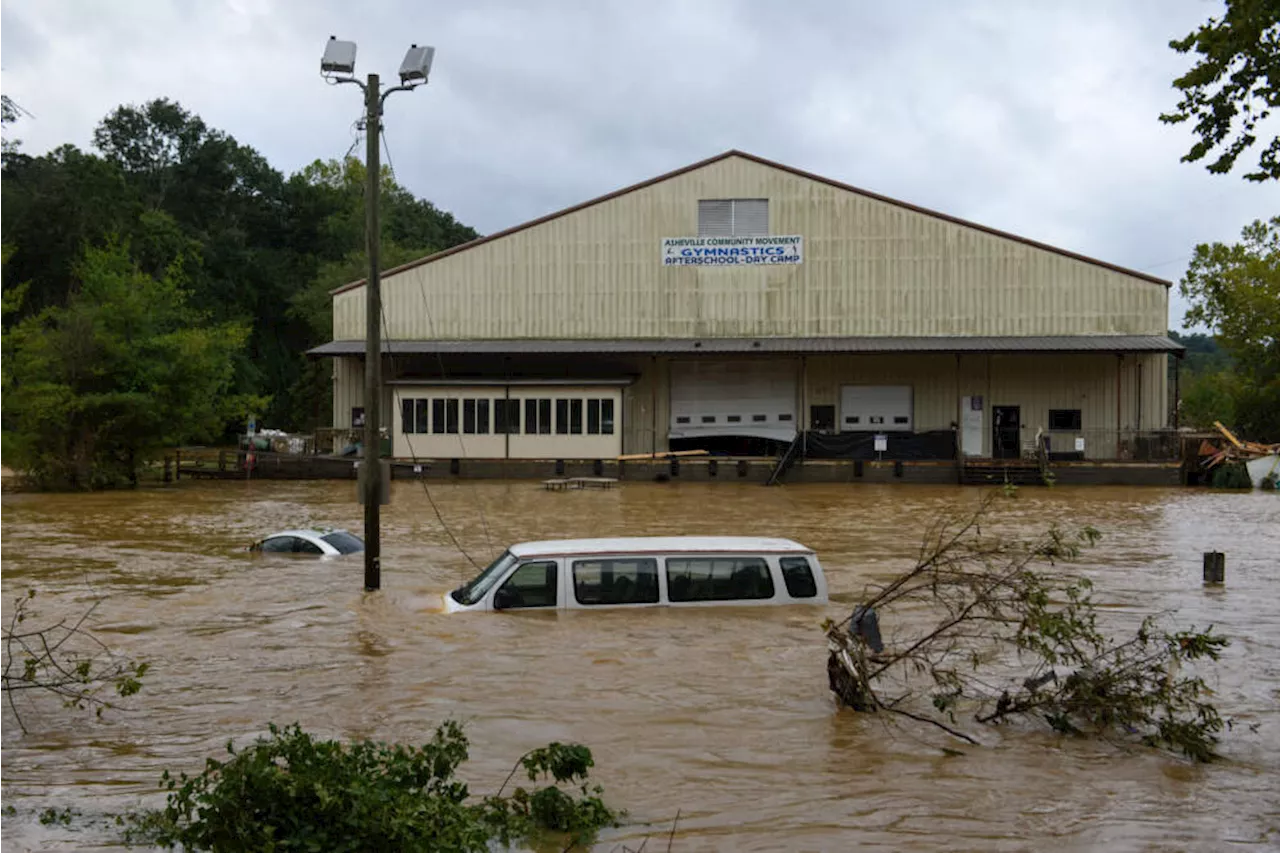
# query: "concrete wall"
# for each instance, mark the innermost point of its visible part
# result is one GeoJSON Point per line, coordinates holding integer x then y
{"type": "Point", "coordinates": [870, 268]}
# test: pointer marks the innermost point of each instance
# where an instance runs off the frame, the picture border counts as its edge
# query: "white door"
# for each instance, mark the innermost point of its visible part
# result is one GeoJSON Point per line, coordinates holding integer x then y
{"type": "Point", "coordinates": [971, 426]}
{"type": "Point", "coordinates": [876, 408]}
{"type": "Point", "coordinates": [751, 398]}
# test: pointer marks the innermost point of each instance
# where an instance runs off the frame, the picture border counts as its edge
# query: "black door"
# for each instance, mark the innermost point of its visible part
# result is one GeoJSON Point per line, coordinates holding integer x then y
{"type": "Point", "coordinates": [1006, 437]}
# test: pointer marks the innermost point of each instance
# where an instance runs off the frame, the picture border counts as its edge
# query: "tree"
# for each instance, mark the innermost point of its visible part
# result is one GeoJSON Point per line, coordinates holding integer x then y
{"type": "Point", "coordinates": [1235, 290]}
{"type": "Point", "coordinates": [64, 659]}
{"type": "Point", "coordinates": [1234, 85]}
{"type": "Point", "coordinates": [96, 388]}
{"type": "Point", "coordinates": [991, 630]}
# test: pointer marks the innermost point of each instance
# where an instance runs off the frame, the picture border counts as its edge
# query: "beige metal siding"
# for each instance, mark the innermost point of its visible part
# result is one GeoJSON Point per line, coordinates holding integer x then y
{"type": "Point", "coordinates": [348, 389]}
{"type": "Point", "coordinates": [870, 268]}
{"type": "Point", "coordinates": [1094, 384]}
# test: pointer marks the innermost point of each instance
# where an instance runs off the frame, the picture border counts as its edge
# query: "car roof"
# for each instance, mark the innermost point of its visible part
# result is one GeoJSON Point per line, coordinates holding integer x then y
{"type": "Point", "coordinates": [659, 545]}
{"type": "Point", "coordinates": [316, 532]}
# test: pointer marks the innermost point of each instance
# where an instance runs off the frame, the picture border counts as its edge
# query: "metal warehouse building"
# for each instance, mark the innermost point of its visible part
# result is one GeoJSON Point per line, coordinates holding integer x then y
{"type": "Point", "coordinates": [737, 304]}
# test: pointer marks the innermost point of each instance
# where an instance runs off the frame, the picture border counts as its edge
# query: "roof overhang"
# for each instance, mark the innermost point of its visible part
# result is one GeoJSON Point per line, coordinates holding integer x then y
{"type": "Point", "coordinates": [993, 345]}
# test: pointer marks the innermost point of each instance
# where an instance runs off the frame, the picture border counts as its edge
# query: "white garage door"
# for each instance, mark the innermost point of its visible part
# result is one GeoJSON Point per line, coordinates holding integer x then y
{"type": "Point", "coordinates": [752, 398]}
{"type": "Point", "coordinates": [878, 408]}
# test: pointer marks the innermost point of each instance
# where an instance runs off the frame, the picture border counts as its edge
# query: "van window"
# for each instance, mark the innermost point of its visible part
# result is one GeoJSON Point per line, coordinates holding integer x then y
{"type": "Point", "coordinates": [798, 576]}
{"type": "Point", "coordinates": [718, 579]}
{"type": "Point", "coordinates": [531, 585]}
{"type": "Point", "coordinates": [616, 581]}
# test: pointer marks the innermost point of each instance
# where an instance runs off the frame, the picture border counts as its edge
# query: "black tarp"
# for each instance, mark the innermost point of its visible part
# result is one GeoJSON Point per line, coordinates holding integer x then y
{"type": "Point", "coordinates": [936, 444]}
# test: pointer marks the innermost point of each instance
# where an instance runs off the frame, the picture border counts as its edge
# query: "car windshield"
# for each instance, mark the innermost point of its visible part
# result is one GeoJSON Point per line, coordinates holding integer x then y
{"type": "Point", "coordinates": [344, 542]}
{"type": "Point", "coordinates": [470, 593]}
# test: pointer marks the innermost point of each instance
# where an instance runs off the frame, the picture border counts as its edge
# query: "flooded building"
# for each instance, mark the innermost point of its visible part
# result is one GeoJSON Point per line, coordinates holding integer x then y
{"type": "Point", "coordinates": [739, 305]}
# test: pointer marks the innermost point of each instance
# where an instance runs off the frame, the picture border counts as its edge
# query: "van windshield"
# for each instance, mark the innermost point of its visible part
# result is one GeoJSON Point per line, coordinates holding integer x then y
{"type": "Point", "coordinates": [470, 593]}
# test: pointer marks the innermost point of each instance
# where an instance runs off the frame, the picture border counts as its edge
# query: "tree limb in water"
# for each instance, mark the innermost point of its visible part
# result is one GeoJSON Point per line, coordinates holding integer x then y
{"type": "Point", "coordinates": [990, 628]}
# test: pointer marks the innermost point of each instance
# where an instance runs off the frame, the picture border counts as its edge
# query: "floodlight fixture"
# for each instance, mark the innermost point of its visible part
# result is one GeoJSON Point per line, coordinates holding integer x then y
{"type": "Point", "coordinates": [339, 57]}
{"type": "Point", "coordinates": [416, 65]}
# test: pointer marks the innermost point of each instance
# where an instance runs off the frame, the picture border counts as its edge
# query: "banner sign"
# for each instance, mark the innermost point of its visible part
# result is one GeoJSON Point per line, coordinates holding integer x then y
{"type": "Point", "coordinates": [731, 251]}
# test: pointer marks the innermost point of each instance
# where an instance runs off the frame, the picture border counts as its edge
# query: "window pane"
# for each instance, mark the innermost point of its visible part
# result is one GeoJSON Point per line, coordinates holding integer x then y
{"type": "Point", "coordinates": [513, 416]}
{"type": "Point", "coordinates": [798, 577]}
{"type": "Point", "coordinates": [302, 546]}
{"type": "Point", "coordinates": [1064, 419]}
{"type": "Point", "coordinates": [406, 416]}
{"type": "Point", "coordinates": [715, 217]}
{"type": "Point", "coordinates": [750, 217]}
{"type": "Point", "coordinates": [499, 417]}
{"type": "Point", "coordinates": [593, 417]}
{"type": "Point", "coordinates": [562, 417]}
{"type": "Point", "coordinates": [718, 579]}
{"type": "Point", "coordinates": [437, 416]}
{"type": "Point", "coordinates": [531, 416]}
{"type": "Point", "coordinates": [482, 417]}
{"type": "Point", "coordinates": [606, 417]}
{"type": "Point", "coordinates": [469, 417]}
{"type": "Point", "coordinates": [531, 585]}
{"type": "Point", "coordinates": [278, 545]}
{"type": "Point", "coordinates": [451, 416]}
{"type": "Point", "coordinates": [544, 416]}
{"type": "Point", "coordinates": [420, 413]}
{"type": "Point", "coordinates": [625, 581]}
{"type": "Point", "coordinates": [575, 417]}
{"type": "Point", "coordinates": [344, 542]}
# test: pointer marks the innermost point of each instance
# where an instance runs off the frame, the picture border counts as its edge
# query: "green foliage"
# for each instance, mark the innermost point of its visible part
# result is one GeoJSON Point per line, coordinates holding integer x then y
{"type": "Point", "coordinates": [63, 659]}
{"type": "Point", "coordinates": [255, 250]}
{"type": "Point", "coordinates": [96, 388]}
{"type": "Point", "coordinates": [1233, 86]}
{"type": "Point", "coordinates": [1231, 475]}
{"type": "Point", "coordinates": [1208, 397]}
{"type": "Point", "coordinates": [1235, 289]}
{"type": "Point", "coordinates": [291, 791]}
{"type": "Point", "coordinates": [52, 816]}
{"type": "Point", "coordinates": [1204, 354]}
{"type": "Point", "coordinates": [1004, 624]}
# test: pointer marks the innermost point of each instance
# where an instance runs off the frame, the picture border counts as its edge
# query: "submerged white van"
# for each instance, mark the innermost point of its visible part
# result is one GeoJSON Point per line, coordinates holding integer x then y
{"type": "Point", "coordinates": [650, 571]}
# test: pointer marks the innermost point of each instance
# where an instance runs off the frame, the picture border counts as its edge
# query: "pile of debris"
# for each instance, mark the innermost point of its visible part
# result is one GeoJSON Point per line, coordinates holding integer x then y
{"type": "Point", "coordinates": [1261, 461]}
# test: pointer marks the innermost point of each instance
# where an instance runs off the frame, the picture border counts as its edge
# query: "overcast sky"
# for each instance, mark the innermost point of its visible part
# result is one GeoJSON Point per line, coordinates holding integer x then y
{"type": "Point", "coordinates": [1038, 118]}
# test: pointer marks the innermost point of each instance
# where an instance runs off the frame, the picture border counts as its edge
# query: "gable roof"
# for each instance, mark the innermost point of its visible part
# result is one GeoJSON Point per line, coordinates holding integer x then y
{"type": "Point", "coordinates": [955, 220]}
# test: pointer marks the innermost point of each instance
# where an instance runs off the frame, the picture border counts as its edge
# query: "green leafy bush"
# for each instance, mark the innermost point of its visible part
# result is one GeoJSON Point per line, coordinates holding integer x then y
{"type": "Point", "coordinates": [1231, 475]}
{"type": "Point", "coordinates": [291, 791]}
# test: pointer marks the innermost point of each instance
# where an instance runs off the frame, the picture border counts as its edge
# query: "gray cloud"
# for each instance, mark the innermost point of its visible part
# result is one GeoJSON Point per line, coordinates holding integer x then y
{"type": "Point", "coordinates": [1035, 118]}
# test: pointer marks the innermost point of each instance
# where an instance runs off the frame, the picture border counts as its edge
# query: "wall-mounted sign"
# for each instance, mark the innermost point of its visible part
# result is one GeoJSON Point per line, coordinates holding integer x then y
{"type": "Point", "coordinates": [731, 251]}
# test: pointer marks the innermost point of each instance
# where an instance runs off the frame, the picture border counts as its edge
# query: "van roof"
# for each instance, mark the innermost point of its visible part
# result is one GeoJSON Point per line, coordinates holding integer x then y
{"type": "Point", "coordinates": [659, 545]}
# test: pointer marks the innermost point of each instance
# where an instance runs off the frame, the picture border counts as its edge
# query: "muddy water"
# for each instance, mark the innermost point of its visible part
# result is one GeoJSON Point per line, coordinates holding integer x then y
{"type": "Point", "coordinates": [722, 715]}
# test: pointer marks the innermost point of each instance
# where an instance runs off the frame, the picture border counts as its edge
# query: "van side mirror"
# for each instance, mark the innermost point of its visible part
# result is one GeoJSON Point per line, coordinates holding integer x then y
{"type": "Point", "coordinates": [504, 599]}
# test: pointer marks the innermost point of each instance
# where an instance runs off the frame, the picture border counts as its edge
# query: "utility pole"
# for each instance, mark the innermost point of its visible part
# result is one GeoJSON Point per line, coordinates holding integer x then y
{"type": "Point", "coordinates": [371, 482]}
{"type": "Point", "coordinates": [340, 59]}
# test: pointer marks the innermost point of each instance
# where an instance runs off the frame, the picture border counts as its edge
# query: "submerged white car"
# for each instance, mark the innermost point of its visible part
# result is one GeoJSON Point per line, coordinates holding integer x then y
{"type": "Point", "coordinates": [323, 542]}
{"type": "Point", "coordinates": [658, 571]}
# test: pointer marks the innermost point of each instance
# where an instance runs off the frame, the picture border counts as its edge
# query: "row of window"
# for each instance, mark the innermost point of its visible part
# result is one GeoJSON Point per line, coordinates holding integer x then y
{"type": "Point", "coordinates": [482, 416]}
{"type": "Point", "coordinates": [635, 581]}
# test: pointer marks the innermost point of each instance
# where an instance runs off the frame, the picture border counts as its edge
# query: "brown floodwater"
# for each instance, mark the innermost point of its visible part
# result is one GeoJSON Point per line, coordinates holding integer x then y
{"type": "Point", "coordinates": [722, 715]}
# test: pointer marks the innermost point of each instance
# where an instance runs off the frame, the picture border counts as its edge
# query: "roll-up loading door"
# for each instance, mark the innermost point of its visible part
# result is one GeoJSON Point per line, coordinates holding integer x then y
{"type": "Point", "coordinates": [876, 408]}
{"type": "Point", "coordinates": [737, 398]}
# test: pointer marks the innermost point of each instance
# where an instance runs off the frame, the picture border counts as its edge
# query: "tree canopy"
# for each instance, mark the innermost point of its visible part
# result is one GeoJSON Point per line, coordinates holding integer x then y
{"type": "Point", "coordinates": [180, 202]}
{"type": "Point", "coordinates": [1235, 290]}
{"type": "Point", "coordinates": [1234, 85]}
